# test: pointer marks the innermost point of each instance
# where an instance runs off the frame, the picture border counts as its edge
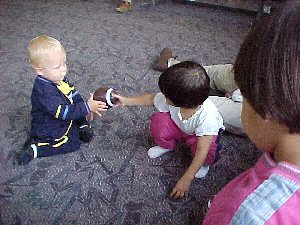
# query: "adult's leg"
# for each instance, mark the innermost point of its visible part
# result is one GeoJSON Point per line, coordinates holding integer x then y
{"type": "Point", "coordinates": [221, 77]}
{"type": "Point", "coordinates": [230, 112]}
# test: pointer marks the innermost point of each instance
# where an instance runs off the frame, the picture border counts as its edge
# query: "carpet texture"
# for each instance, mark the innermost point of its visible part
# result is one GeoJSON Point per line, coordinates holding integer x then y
{"type": "Point", "coordinates": [111, 180]}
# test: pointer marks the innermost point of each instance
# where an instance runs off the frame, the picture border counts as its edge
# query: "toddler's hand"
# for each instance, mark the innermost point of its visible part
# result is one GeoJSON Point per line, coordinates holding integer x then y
{"type": "Point", "coordinates": [96, 106]}
{"type": "Point", "coordinates": [181, 188]}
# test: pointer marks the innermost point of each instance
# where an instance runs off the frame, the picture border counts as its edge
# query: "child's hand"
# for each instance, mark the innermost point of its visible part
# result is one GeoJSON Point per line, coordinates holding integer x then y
{"type": "Point", "coordinates": [123, 101]}
{"type": "Point", "coordinates": [181, 188]}
{"type": "Point", "coordinates": [96, 106]}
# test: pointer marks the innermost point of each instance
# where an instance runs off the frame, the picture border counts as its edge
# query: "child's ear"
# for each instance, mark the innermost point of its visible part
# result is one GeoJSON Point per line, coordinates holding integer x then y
{"type": "Point", "coordinates": [38, 70]}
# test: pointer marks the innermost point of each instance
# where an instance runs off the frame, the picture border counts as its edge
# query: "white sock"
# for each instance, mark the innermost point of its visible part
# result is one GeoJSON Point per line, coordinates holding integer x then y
{"type": "Point", "coordinates": [237, 96]}
{"type": "Point", "coordinates": [202, 172]}
{"type": "Point", "coordinates": [157, 151]}
{"type": "Point", "coordinates": [172, 61]}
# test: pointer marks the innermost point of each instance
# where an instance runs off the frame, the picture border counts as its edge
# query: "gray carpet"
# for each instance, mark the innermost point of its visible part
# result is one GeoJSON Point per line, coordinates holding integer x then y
{"type": "Point", "coordinates": [111, 180]}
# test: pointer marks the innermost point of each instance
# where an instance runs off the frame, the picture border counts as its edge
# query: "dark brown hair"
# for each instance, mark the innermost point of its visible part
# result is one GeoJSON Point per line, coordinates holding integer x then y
{"type": "Point", "coordinates": [186, 84]}
{"type": "Point", "coordinates": [267, 68]}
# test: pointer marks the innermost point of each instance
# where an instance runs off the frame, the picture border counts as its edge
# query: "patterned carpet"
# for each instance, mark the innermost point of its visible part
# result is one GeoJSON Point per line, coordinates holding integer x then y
{"type": "Point", "coordinates": [111, 180]}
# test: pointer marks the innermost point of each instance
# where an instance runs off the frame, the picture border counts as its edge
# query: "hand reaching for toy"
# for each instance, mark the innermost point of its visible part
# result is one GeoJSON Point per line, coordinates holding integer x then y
{"type": "Point", "coordinates": [96, 106]}
{"type": "Point", "coordinates": [138, 100]}
{"type": "Point", "coordinates": [122, 100]}
{"type": "Point", "coordinates": [181, 188]}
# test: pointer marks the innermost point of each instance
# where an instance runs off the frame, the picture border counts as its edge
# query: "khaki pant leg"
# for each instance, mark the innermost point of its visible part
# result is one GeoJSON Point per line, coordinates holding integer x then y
{"type": "Point", "coordinates": [221, 77]}
{"type": "Point", "coordinates": [230, 112]}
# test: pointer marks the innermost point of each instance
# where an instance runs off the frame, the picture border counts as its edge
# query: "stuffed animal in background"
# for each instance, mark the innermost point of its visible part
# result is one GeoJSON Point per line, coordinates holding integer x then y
{"type": "Point", "coordinates": [104, 94]}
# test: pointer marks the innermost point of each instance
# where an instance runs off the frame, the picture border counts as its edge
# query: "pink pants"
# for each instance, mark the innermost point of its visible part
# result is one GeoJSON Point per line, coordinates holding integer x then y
{"type": "Point", "coordinates": [167, 134]}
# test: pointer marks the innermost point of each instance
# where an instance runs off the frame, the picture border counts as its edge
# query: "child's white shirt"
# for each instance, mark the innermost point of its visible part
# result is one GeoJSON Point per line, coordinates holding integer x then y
{"type": "Point", "coordinates": [205, 121]}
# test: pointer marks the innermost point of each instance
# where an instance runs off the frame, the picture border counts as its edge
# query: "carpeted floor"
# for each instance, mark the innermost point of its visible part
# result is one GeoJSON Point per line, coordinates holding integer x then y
{"type": "Point", "coordinates": [111, 180]}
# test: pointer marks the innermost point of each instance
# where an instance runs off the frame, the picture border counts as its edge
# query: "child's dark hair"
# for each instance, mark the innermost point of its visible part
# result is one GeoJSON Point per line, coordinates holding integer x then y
{"type": "Point", "coordinates": [267, 68]}
{"type": "Point", "coordinates": [186, 84]}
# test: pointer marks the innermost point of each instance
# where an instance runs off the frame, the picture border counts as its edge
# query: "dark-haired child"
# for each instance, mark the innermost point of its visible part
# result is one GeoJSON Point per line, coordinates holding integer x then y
{"type": "Point", "coordinates": [221, 79]}
{"type": "Point", "coordinates": [267, 71]}
{"type": "Point", "coordinates": [186, 114]}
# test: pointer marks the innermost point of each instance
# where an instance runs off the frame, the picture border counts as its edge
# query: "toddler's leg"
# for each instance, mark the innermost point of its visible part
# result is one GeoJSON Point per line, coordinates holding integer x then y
{"type": "Point", "coordinates": [49, 150]}
{"type": "Point", "coordinates": [202, 172]}
{"type": "Point", "coordinates": [33, 149]}
{"type": "Point", "coordinates": [66, 145]}
{"type": "Point", "coordinates": [212, 156]}
{"type": "Point", "coordinates": [25, 155]}
{"type": "Point", "coordinates": [192, 143]}
{"type": "Point", "coordinates": [164, 132]}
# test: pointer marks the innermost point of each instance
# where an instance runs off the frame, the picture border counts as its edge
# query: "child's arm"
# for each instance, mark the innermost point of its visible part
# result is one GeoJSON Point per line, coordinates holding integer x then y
{"type": "Point", "coordinates": [53, 104]}
{"type": "Point", "coordinates": [139, 100]}
{"type": "Point", "coordinates": [182, 186]}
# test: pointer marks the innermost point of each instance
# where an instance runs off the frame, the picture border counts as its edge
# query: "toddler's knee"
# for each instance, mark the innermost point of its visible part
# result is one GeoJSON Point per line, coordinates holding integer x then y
{"type": "Point", "coordinates": [160, 125]}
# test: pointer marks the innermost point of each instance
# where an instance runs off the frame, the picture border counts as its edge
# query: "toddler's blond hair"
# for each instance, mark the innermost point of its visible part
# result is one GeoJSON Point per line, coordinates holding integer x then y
{"type": "Point", "coordinates": [39, 48]}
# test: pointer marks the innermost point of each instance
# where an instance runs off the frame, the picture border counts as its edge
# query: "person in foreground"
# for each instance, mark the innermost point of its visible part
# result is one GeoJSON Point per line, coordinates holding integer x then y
{"type": "Point", "coordinates": [267, 71]}
{"type": "Point", "coordinates": [59, 122]}
{"type": "Point", "coordinates": [186, 114]}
